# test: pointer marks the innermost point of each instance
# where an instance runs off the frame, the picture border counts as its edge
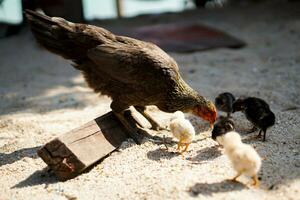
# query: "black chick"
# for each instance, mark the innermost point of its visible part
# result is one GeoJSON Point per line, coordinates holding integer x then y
{"type": "Point", "coordinates": [224, 102]}
{"type": "Point", "coordinates": [222, 126]}
{"type": "Point", "coordinates": [257, 111]}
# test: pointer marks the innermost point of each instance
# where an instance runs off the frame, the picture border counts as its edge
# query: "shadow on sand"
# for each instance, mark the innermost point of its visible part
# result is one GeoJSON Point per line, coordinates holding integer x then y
{"type": "Point", "coordinates": [162, 153]}
{"type": "Point", "coordinates": [39, 177]}
{"type": "Point", "coordinates": [207, 153]}
{"type": "Point", "coordinates": [18, 155]}
{"type": "Point", "coordinates": [207, 189]}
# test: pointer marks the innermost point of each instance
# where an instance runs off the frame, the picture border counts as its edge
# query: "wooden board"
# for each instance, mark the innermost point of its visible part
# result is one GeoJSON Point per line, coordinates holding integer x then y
{"type": "Point", "coordinates": [73, 152]}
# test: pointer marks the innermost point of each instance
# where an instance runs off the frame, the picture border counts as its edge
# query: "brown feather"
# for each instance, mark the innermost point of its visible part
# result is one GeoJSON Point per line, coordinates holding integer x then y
{"type": "Point", "coordinates": [130, 71]}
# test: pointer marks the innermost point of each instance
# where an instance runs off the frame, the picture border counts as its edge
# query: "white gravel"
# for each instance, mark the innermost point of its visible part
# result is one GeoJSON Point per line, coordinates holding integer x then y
{"type": "Point", "coordinates": [42, 97]}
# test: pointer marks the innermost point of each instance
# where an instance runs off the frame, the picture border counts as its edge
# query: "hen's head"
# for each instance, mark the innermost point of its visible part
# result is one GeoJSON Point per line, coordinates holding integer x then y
{"type": "Point", "coordinates": [206, 111]}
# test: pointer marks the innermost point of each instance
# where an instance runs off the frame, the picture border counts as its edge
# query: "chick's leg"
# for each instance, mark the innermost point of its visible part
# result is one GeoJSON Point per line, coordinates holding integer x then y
{"type": "Point", "coordinates": [255, 181]}
{"type": "Point", "coordinates": [259, 134]}
{"type": "Point", "coordinates": [264, 137]}
{"type": "Point", "coordinates": [179, 144]}
{"type": "Point", "coordinates": [238, 175]}
{"type": "Point", "coordinates": [155, 125]}
{"type": "Point", "coordinates": [253, 129]}
{"type": "Point", "coordinates": [186, 147]}
{"type": "Point", "coordinates": [229, 115]}
{"type": "Point", "coordinates": [182, 152]}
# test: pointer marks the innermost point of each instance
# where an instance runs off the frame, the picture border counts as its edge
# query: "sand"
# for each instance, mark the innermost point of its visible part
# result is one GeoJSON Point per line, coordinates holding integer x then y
{"type": "Point", "coordinates": [42, 96]}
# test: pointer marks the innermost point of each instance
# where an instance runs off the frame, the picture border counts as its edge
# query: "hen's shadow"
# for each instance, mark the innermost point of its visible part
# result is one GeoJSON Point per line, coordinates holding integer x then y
{"type": "Point", "coordinates": [208, 189]}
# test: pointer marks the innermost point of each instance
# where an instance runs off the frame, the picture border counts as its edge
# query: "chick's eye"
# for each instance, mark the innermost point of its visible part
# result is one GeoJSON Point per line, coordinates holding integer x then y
{"type": "Point", "coordinates": [228, 127]}
{"type": "Point", "coordinates": [219, 101]}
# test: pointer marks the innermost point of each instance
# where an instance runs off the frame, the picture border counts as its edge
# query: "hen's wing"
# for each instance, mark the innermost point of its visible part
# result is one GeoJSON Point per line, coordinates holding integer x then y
{"type": "Point", "coordinates": [133, 62]}
{"type": "Point", "coordinates": [106, 59]}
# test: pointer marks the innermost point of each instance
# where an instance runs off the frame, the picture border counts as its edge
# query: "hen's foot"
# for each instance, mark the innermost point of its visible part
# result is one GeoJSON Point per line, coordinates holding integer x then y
{"type": "Point", "coordinates": [154, 124]}
{"type": "Point", "coordinates": [132, 125]}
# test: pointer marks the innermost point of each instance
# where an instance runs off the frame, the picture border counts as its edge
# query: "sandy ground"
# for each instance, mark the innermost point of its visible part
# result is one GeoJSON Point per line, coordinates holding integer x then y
{"type": "Point", "coordinates": [42, 97]}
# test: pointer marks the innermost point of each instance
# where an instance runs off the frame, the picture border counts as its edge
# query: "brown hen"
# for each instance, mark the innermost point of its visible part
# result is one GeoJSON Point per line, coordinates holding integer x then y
{"type": "Point", "coordinates": [130, 71]}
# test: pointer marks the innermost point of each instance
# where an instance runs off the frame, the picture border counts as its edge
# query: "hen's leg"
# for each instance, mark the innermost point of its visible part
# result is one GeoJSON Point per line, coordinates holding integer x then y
{"type": "Point", "coordinates": [155, 125]}
{"type": "Point", "coordinates": [133, 127]}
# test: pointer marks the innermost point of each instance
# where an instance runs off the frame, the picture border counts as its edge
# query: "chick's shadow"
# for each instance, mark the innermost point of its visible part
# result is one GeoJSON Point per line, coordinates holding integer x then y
{"type": "Point", "coordinates": [167, 148]}
{"type": "Point", "coordinates": [207, 153]}
{"type": "Point", "coordinates": [207, 189]}
{"type": "Point", "coordinates": [162, 153]}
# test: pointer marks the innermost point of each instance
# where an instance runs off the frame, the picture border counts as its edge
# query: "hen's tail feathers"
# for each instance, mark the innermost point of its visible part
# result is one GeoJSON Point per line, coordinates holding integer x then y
{"type": "Point", "coordinates": [60, 36]}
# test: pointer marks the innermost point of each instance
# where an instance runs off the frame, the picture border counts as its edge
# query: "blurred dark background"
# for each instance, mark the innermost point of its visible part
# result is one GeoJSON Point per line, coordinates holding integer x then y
{"type": "Point", "coordinates": [12, 18]}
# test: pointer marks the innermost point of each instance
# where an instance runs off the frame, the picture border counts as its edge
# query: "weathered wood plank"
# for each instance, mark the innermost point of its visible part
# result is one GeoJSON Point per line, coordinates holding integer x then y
{"type": "Point", "coordinates": [73, 152]}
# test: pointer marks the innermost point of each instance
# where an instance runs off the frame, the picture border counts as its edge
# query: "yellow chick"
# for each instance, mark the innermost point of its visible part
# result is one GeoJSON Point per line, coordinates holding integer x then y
{"type": "Point", "coordinates": [182, 129]}
{"type": "Point", "coordinates": [244, 158]}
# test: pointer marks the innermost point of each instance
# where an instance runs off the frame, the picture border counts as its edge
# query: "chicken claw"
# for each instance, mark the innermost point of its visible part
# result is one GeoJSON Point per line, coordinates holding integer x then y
{"type": "Point", "coordinates": [132, 126]}
{"type": "Point", "coordinates": [234, 178]}
{"type": "Point", "coordinates": [155, 125]}
{"type": "Point", "coordinates": [256, 182]}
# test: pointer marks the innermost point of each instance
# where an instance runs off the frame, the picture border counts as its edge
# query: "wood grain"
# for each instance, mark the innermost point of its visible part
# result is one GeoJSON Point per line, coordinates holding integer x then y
{"type": "Point", "coordinates": [73, 152]}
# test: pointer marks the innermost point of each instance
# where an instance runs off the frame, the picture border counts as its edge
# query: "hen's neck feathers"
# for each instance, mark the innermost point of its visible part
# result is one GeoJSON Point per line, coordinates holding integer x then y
{"type": "Point", "coordinates": [184, 98]}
